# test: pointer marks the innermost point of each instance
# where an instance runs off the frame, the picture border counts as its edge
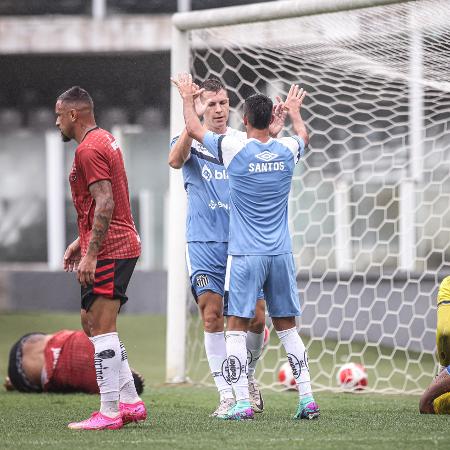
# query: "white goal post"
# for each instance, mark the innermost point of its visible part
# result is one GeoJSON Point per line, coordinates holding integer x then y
{"type": "Point", "coordinates": [368, 210]}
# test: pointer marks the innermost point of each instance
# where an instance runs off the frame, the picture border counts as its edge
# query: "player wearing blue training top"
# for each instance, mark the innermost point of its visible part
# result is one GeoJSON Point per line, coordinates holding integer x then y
{"type": "Point", "coordinates": [207, 224]}
{"type": "Point", "coordinates": [260, 171]}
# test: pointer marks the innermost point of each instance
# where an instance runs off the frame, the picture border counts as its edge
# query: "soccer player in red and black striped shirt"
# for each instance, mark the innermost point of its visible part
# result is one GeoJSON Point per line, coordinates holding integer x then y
{"type": "Point", "coordinates": [104, 254]}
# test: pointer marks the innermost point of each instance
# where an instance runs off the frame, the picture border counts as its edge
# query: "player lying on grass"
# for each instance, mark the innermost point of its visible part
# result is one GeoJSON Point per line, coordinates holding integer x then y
{"type": "Point", "coordinates": [206, 184]}
{"type": "Point", "coordinates": [436, 398]}
{"type": "Point", "coordinates": [59, 362]}
{"type": "Point", "coordinates": [260, 171]}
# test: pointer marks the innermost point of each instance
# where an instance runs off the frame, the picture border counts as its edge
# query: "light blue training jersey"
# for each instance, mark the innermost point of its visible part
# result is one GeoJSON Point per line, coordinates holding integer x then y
{"type": "Point", "coordinates": [206, 185]}
{"type": "Point", "coordinates": [260, 176]}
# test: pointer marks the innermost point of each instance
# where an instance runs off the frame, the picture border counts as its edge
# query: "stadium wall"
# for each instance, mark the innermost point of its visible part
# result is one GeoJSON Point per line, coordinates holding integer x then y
{"type": "Point", "coordinates": [60, 291]}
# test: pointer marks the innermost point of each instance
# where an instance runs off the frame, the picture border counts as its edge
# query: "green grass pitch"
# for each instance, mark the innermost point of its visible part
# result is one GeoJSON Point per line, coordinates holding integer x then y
{"type": "Point", "coordinates": [179, 415]}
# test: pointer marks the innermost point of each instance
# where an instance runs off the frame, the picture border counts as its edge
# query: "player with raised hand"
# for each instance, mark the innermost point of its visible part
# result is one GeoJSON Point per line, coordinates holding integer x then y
{"type": "Point", "coordinates": [104, 254]}
{"type": "Point", "coordinates": [207, 225]}
{"type": "Point", "coordinates": [260, 253]}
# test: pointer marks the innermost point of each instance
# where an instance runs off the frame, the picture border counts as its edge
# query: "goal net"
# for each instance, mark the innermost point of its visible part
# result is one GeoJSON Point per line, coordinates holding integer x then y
{"type": "Point", "coordinates": [370, 203]}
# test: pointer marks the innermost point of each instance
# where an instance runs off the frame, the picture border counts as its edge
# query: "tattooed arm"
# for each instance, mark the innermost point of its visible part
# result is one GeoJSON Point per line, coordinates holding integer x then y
{"type": "Point", "coordinates": [101, 192]}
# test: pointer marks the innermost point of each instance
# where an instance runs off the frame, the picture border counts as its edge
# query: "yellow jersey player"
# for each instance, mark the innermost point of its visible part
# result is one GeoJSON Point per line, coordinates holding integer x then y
{"type": "Point", "coordinates": [436, 398]}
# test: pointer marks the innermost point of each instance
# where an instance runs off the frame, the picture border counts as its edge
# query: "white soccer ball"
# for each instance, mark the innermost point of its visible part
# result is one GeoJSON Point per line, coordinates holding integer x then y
{"type": "Point", "coordinates": [286, 377]}
{"type": "Point", "coordinates": [352, 377]}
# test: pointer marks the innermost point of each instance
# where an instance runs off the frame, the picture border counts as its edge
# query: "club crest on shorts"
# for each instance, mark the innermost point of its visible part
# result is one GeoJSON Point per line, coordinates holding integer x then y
{"type": "Point", "coordinates": [201, 280]}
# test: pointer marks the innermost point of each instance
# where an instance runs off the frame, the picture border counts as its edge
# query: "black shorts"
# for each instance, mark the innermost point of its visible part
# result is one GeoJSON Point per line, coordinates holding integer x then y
{"type": "Point", "coordinates": [111, 281]}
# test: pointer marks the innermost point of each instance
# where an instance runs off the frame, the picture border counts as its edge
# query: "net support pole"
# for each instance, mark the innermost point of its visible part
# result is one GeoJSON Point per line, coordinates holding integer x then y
{"type": "Point", "coordinates": [146, 229]}
{"type": "Point", "coordinates": [176, 272]}
{"type": "Point", "coordinates": [408, 186]}
{"type": "Point", "coordinates": [343, 236]}
{"type": "Point", "coordinates": [118, 132]}
{"type": "Point", "coordinates": [98, 9]}
{"type": "Point", "coordinates": [56, 223]}
{"type": "Point", "coordinates": [407, 226]}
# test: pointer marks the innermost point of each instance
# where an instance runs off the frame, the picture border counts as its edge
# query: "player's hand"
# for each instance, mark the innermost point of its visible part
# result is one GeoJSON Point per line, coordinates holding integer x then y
{"type": "Point", "coordinates": [294, 99]}
{"type": "Point", "coordinates": [279, 117]}
{"type": "Point", "coordinates": [186, 87]}
{"type": "Point", "coordinates": [200, 107]}
{"type": "Point", "coordinates": [86, 270]}
{"type": "Point", "coordinates": [72, 256]}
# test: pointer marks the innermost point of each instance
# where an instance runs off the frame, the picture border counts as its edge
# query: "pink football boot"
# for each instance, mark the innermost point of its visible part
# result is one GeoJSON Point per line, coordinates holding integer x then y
{"type": "Point", "coordinates": [133, 412]}
{"type": "Point", "coordinates": [98, 422]}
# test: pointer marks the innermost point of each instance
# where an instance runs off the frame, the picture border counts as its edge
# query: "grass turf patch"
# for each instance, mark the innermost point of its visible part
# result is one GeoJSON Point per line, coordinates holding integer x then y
{"type": "Point", "coordinates": [179, 416]}
{"type": "Point", "coordinates": [179, 419]}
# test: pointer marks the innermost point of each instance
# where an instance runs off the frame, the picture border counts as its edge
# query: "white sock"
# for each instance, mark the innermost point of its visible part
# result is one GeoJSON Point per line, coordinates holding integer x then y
{"type": "Point", "coordinates": [237, 363]}
{"type": "Point", "coordinates": [254, 343]}
{"type": "Point", "coordinates": [128, 392]}
{"type": "Point", "coordinates": [107, 361]}
{"type": "Point", "coordinates": [298, 359]}
{"type": "Point", "coordinates": [216, 352]}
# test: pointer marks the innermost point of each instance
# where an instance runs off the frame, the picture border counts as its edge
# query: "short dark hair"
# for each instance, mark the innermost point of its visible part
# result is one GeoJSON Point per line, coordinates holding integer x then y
{"type": "Point", "coordinates": [76, 94]}
{"type": "Point", "coordinates": [212, 85]}
{"type": "Point", "coordinates": [16, 373]}
{"type": "Point", "coordinates": [258, 109]}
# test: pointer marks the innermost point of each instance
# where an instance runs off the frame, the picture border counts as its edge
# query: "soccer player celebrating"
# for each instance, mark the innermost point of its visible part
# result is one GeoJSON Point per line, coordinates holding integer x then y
{"type": "Point", "coordinates": [104, 255]}
{"type": "Point", "coordinates": [59, 362]}
{"type": "Point", "coordinates": [260, 255]}
{"type": "Point", "coordinates": [206, 184]}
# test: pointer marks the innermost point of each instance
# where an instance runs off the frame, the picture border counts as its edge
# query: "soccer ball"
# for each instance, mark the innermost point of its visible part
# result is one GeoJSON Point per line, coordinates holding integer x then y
{"type": "Point", "coordinates": [352, 377]}
{"type": "Point", "coordinates": [285, 376]}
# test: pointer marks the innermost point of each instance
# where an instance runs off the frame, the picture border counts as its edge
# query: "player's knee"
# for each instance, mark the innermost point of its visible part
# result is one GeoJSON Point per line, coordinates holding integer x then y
{"type": "Point", "coordinates": [211, 309]}
{"type": "Point", "coordinates": [213, 319]}
{"type": "Point", "coordinates": [257, 324]}
{"type": "Point", "coordinates": [85, 323]}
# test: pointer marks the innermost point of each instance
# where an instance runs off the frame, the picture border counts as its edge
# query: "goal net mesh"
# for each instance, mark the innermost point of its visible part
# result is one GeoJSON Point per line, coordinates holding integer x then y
{"type": "Point", "coordinates": [376, 181]}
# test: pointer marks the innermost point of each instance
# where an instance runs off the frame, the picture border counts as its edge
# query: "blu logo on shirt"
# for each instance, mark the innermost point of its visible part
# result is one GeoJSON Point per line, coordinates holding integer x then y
{"type": "Point", "coordinates": [206, 173]}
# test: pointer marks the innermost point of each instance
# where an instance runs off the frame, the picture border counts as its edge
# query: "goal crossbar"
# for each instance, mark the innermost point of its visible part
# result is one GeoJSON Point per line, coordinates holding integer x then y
{"type": "Point", "coordinates": [261, 12]}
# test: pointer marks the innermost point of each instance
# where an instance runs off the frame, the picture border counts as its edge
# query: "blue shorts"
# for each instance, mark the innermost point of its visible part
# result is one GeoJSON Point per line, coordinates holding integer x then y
{"type": "Point", "coordinates": [207, 264]}
{"type": "Point", "coordinates": [247, 275]}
